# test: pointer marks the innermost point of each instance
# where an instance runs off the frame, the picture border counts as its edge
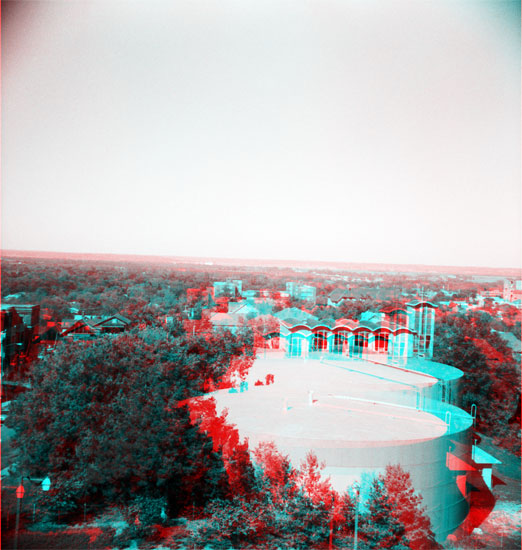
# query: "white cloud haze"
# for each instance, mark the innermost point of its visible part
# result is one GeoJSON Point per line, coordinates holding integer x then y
{"type": "Point", "coordinates": [343, 130]}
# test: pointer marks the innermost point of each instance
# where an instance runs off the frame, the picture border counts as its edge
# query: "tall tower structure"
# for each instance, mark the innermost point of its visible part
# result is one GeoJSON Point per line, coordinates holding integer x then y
{"type": "Point", "coordinates": [422, 320]}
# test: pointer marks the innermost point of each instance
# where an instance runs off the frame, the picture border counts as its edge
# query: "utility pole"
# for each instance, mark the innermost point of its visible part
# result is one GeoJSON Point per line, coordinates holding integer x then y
{"type": "Point", "coordinates": [356, 519]}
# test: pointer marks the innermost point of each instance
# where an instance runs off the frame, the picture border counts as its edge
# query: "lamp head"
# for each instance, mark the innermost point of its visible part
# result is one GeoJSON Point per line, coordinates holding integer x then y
{"type": "Point", "coordinates": [46, 484]}
{"type": "Point", "coordinates": [20, 491]}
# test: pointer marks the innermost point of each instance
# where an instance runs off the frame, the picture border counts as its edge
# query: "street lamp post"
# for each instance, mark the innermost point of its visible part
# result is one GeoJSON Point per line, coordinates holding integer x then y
{"type": "Point", "coordinates": [331, 524]}
{"type": "Point", "coordinates": [19, 496]}
{"type": "Point", "coordinates": [20, 491]}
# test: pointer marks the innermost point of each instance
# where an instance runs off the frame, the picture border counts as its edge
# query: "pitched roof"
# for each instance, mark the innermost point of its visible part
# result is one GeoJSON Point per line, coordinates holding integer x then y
{"type": "Point", "coordinates": [294, 313]}
{"type": "Point", "coordinates": [223, 319]}
{"type": "Point", "coordinates": [375, 293]}
{"type": "Point", "coordinates": [291, 321]}
{"type": "Point", "coordinates": [68, 328]}
{"type": "Point", "coordinates": [102, 320]}
{"type": "Point", "coordinates": [417, 303]}
{"type": "Point", "coordinates": [370, 316]}
{"type": "Point", "coordinates": [328, 321]}
{"type": "Point", "coordinates": [241, 308]}
{"type": "Point", "coordinates": [349, 323]}
{"type": "Point", "coordinates": [340, 294]}
{"type": "Point", "coordinates": [394, 306]}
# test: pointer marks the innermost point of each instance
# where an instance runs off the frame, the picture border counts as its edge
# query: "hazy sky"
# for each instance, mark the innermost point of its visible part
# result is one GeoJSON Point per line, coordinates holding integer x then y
{"type": "Point", "coordinates": [373, 131]}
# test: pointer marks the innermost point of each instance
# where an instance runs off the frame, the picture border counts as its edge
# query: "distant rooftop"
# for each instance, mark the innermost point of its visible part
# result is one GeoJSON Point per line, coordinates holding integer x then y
{"type": "Point", "coordinates": [511, 340]}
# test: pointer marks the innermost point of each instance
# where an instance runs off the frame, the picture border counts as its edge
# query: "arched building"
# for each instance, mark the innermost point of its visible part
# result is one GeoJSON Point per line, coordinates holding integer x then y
{"type": "Point", "coordinates": [397, 332]}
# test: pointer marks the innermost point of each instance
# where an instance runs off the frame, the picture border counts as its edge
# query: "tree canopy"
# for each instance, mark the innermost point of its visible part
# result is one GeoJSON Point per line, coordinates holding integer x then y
{"type": "Point", "coordinates": [103, 419]}
{"type": "Point", "coordinates": [491, 377]}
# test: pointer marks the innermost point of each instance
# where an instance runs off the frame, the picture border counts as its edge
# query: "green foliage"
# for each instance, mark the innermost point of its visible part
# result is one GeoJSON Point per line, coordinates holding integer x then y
{"type": "Point", "coordinates": [234, 521]}
{"type": "Point", "coordinates": [142, 514]}
{"type": "Point", "coordinates": [149, 510]}
{"type": "Point", "coordinates": [278, 512]}
{"type": "Point", "coordinates": [491, 379]}
{"type": "Point", "coordinates": [103, 420]}
{"type": "Point", "coordinates": [309, 522]}
{"type": "Point", "coordinates": [380, 527]}
{"type": "Point", "coordinates": [408, 509]}
{"type": "Point", "coordinates": [392, 516]}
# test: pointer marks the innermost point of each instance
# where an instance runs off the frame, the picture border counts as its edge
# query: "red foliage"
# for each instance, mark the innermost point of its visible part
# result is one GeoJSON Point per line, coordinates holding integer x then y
{"type": "Point", "coordinates": [317, 488]}
{"type": "Point", "coordinates": [225, 438]}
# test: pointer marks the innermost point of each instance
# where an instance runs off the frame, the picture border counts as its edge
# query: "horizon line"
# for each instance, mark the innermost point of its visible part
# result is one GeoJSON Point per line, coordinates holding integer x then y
{"type": "Point", "coordinates": [249, 261]}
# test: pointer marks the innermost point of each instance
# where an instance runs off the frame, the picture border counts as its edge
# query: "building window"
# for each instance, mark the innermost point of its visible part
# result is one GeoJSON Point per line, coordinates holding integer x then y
{"type": "Point", "coordinates": [417, 321]}
{"type": "Point", "coordinates": [424, 343]}
{"type": "Point", "coordinates": [428, 320]}
{"type": "Point", "coordinates": [339, 340]}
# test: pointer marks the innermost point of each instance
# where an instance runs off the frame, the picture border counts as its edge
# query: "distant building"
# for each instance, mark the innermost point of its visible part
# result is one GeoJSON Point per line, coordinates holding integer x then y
{"type": "Point", "coordinates": [49, 335]}
{"type": "Point", "coordinates": [19, 324]}
{"type": "Point", "coordinates": [339, 296]}
{"type": "Point", "coordinates": [113, 324]}
{"type": "Point", "coordinates": [230, 289]}
{"type": "Point", "coordinates": [267, 296]}
{"type": "Point", "coordinates": [512, 290]}
{"type": "Point", "coordinates": [224, 321]}
{"type": "Point", "coordinates": [85, 327]}
{"type": "Point", "coordinates": [79, 329]}
{"type": "Point", "coordinates": [250, 295]}
{"type": "Point", "coordinates": [295, 315]}
{"type": "Point", "coordinates": [237, 315]}
{"type": "Point", "coordinates": [492, 292]}
{"type": "Point", "coordinates": [301, 291]}
{"type": "Point", "coordinates": [243, 309]}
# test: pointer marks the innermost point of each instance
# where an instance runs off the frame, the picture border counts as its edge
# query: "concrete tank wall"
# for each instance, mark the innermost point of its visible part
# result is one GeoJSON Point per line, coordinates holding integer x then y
{"type": "Point", "coordinates": [426, 461]}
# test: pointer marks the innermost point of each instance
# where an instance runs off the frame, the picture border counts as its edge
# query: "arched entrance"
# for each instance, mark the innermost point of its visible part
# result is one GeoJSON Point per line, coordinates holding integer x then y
{"type": "Point", "coordinates": [296, 346]}
{"type": "Point", "coordinates": [360, 344]}
{"type": "Point", "coordinates": [340, 342]}
{"type": "Point", "coordinates": [319, 341]}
